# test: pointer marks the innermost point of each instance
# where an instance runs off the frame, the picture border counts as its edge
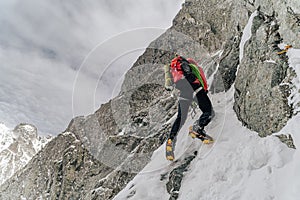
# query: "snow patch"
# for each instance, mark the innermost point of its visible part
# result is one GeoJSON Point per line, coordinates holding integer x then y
{"type": "Point", "coordinates": [28, 128]}
{"type": "Point", "coordinates": [246, 34]}
{"type": "Point", "coordinates": [5, 137]}
{"type": "Point", "coordinates": [270, 61]}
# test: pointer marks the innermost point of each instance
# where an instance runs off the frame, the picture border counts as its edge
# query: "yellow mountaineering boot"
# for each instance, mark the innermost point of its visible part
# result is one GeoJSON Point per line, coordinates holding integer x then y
{"type": "Point", "coordinates": [170, 149]}
{"type": "Point", "coordinates": [205, 138]}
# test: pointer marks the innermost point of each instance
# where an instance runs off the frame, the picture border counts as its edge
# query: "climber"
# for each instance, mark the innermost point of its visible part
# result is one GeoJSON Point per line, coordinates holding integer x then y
{"type": "Point", "coordinates": [189, 79]}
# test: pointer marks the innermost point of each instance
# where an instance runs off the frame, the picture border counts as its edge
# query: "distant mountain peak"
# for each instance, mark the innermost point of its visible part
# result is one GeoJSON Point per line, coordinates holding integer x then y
{"type": "Point", "coordinates": [17, 147]}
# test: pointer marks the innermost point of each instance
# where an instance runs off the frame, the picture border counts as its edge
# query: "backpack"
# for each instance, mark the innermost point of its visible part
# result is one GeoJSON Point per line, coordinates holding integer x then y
{"type": "Point", "coordinates": [188, 68]}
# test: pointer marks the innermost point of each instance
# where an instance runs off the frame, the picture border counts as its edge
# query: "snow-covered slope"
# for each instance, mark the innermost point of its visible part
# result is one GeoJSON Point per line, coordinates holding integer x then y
{"type": "Point", "coordinates": [17, 147]}
{"type": "Point", "coordinates": [5, 137]}
{"type": "Point", "coordinates": [240, 165]}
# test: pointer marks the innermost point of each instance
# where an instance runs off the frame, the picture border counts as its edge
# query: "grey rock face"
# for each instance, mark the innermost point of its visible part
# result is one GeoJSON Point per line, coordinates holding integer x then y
{"type": "Point", "coordinates": [58, 171]}
{"type": "Point", "coordinates": [211, 23]}
{"type": "Point", "coordinates": [216, 25]}
{"type": "Point", "coordinates": [287, 13]}
{"type": "Point", "coordinates": [99, 154]}
{"type": "Point", "coordinates": [287, 139]}
{"type": "Point", "coordinates": [228, 64]}
{"type": "Point", "coordinates": [260, 88]}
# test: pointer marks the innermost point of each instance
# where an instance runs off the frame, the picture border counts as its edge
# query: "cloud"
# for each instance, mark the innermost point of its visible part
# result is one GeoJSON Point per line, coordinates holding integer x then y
{"type": "Point", "coordinates": [67, 30]}
{"type": "Point", "coordinates": [42, 46]}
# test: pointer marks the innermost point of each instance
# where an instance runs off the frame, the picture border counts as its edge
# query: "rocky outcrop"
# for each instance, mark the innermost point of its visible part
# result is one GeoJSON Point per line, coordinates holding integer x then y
{"type": "Point", "coordinates": [58, 171]}
{"type": "Point", "coordinates": [262, 84]}
{"type": "Point", "coordinates": [216, 25]}
{"type": "Point", "coordinates": [98, 154]}
{"type": "Point", "coordinates": [287, 139]}
{"type": "Point", "coordinates": [199, 33]}
{"type": "Point", "coordinates": [176, 175]}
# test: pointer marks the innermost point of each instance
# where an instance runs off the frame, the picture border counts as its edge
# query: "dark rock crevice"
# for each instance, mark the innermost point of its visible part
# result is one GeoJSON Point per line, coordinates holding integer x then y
{"type": "Point", "coordinates": [176, 175]}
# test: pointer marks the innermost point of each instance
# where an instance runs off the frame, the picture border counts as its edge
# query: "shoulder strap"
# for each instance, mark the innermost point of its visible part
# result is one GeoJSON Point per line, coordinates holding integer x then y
{"type": "Point", "coordinates": [200, 75]}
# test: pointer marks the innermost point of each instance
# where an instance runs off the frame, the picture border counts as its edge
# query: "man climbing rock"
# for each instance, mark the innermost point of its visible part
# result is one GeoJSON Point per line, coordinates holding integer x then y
{"type": "Point", "coordinates": [187, 77]}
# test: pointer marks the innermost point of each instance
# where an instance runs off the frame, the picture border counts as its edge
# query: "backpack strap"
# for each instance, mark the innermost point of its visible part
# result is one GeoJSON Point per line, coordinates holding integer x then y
{"type": "Point", "coordinates": [199, 73]}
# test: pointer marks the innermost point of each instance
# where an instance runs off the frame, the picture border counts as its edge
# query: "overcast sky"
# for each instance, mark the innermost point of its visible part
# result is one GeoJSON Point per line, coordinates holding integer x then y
{"type": "Point", "coordinates": [50, 48]}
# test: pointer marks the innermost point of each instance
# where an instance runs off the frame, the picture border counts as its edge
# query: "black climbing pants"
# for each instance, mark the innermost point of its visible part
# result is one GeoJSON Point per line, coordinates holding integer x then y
{"type": "Point", "coordinates": [184, 102]}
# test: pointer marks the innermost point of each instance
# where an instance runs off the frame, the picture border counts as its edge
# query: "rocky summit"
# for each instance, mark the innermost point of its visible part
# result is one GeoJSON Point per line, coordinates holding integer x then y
{"type": "Point", "coordinates": [97, 155]}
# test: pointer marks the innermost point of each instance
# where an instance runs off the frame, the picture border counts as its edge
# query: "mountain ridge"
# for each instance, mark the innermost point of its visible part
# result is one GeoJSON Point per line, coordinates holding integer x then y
{"type": "Point", "coordinates": [121, 136]}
